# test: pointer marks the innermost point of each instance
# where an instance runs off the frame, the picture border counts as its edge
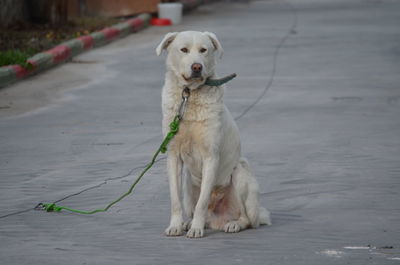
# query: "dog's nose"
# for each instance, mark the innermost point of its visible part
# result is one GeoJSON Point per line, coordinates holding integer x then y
{"type": "Point", "coordinates": [196, 68]}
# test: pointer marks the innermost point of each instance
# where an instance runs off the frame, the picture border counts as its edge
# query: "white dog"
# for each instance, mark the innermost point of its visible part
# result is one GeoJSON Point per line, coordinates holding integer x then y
{"type": "Point", "coordinates": [218, 189]}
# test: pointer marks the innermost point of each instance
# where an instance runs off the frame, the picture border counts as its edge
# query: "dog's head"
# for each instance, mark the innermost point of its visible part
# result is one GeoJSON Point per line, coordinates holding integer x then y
{"type": "Point", "coordinates": [191, 56]}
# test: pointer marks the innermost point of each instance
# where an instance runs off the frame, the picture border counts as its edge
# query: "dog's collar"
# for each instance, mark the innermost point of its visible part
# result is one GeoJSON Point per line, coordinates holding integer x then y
{"type": "Point", "coordinates": [220, 81]}
{"type": "Point", "coordinates": [209, 82]}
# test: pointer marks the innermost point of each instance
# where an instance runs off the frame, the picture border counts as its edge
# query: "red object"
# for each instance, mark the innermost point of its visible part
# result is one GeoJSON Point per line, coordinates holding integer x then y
{"type": "Point", "coordinates": [87, 41]}
{"type": "Point", "coordinates": [60, 53]}
{"type": "Point", "coordinates": [135, 23]}
{"type": "Point", "coordinates": [161, 22]}
{"type": "Point", "coordinates": [110, 33]}
{"type": "Point", "coordinates": [19, 70]}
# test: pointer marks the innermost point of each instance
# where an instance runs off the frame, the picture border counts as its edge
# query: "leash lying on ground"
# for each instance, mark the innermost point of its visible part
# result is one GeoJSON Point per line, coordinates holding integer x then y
{"type": "Point", "coordinates": [174, 128]}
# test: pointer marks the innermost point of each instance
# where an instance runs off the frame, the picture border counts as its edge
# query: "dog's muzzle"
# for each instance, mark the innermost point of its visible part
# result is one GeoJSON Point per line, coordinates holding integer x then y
{"type": "Point", "coordinates": [196, 71]}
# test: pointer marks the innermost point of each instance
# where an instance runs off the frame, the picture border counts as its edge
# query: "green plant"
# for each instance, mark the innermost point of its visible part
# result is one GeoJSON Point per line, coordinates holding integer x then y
{"type": "Point", "coordinates": [15, 57]}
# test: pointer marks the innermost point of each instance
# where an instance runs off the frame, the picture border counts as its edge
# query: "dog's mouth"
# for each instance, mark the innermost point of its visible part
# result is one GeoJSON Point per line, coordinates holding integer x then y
{"type": "Point", "coordinates": [193, 78]}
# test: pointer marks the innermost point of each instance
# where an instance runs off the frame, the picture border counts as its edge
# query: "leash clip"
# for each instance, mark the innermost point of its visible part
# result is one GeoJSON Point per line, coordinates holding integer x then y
{"type": "Point", "coordinates": [40, 207]}
{"type": "Point", "coordinates": [182, 107]}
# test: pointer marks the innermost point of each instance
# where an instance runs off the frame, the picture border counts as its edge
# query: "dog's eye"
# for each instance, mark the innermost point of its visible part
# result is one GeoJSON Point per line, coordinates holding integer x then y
{"type": "Point", "coordinates": [203, 50]}
{"type": "Point", "coordinates": [184, 50]}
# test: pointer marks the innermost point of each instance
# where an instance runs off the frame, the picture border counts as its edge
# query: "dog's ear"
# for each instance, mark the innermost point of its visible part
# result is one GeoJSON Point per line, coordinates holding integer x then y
{"type": "Point", "coordinates": [217, 45]}
{"type": "Point", "coordinates": [168, 39]}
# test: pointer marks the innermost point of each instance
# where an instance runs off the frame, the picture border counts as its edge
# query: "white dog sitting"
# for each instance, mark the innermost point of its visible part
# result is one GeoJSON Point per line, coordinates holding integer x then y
{"type": "Point", "coordinates": [218, 189]}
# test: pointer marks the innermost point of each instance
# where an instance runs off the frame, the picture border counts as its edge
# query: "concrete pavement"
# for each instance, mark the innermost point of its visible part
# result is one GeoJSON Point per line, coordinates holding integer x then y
{"type": "Point", "coordinates": [324, 142]}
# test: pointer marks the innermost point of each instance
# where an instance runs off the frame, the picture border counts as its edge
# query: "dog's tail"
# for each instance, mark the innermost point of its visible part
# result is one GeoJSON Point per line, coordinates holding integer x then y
{"type": "Point", "coordinates": [265, 217]}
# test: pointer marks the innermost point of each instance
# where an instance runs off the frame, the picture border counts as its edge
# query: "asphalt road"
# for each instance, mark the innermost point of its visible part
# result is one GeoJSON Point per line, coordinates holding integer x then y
{"type": "Point", "coordinates": [317, 99]}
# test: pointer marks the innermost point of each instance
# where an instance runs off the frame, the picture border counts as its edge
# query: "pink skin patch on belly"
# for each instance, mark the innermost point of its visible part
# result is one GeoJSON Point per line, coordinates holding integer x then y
{"type": "Point", "coordinates": [222, 207]}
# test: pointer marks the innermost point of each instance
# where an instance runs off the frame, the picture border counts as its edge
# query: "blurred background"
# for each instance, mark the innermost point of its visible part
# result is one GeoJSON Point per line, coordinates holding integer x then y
{"type": "Point", "coordinates": [58, 11]}
{"type": "Point", "coordinates": [28, 27]}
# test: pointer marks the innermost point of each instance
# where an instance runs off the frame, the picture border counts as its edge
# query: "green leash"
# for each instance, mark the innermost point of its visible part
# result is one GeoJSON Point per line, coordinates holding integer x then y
{"type": "Point", "coordinates": [174, 128]}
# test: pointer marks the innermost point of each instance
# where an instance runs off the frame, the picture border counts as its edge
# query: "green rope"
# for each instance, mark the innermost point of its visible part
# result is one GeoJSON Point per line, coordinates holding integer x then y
{"type": "Point", "coordinates": [174, 128]}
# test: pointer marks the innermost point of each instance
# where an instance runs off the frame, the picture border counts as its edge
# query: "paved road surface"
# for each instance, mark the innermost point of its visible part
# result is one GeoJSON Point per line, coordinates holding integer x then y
{"type": "Point", "coordinates": [324, 142]}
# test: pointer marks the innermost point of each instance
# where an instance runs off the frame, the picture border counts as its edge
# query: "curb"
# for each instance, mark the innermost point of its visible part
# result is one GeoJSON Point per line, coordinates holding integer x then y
{"type": "Point", "coordinates": [68, 49]}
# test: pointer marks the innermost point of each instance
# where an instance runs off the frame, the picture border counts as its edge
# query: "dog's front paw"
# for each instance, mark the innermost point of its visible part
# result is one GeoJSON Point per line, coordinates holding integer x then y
{"type": "Point", "coordinates": [195, 232]}
{"type": "Point", "coordinates": [232, 227]}
{"type": "Point", "coordinates": [174, 231]}
{"type": "Point", "coordinates": [186, 225]}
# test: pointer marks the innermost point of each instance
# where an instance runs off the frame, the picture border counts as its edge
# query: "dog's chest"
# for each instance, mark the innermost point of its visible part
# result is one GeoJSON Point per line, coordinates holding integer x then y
{"type": "Point", "coordinates": [192, 145]}
{"type": "Point", "coordinates": [199, 128]}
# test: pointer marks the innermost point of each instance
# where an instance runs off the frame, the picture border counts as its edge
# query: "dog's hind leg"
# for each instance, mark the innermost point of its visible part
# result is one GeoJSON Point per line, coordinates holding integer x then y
{"type": "Point", "coordinates": [242, 223]}
{"type": "Point", "coordinates": [246, 188]}
{"type": "Point", "coordinates": [253, 206]}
